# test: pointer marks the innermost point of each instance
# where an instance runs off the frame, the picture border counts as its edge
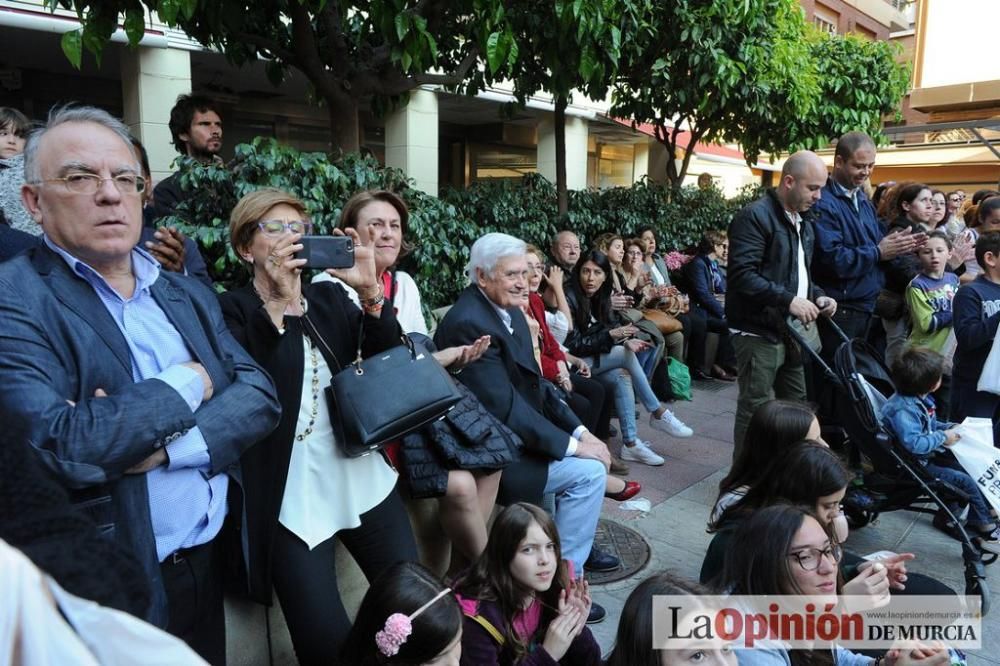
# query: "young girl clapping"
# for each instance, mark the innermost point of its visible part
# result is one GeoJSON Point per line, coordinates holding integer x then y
{"type": "Point", "coordinates": [520, 603]}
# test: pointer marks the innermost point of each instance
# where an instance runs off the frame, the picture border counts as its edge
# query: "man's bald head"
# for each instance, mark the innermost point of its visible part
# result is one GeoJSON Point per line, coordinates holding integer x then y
{"type": "Point", "coordinates": [566, 249]}
{"type": "Point", "coordinates": [802, 178]}
{"type": "Point", "coordinates": [800, 163]}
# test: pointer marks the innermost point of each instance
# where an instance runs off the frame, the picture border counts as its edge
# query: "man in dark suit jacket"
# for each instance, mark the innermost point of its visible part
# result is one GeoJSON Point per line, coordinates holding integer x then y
{"type": "Point", "coordinates": [12, 241]}
{"type": "Point", "coordinates": [561, 456]}
{"type": "Point", "coordinates": [124, 377]}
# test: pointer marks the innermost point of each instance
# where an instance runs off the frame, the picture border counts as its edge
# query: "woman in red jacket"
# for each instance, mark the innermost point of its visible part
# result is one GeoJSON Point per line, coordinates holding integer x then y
{"type": "Point", "coordinates": [585, 396]}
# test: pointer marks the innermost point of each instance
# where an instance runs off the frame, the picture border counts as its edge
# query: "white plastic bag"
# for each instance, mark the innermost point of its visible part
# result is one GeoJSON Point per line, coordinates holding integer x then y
{"type": "Point", "coordinates": [989, 378]}
{"type": "Point", "coordinates": [976, 453]}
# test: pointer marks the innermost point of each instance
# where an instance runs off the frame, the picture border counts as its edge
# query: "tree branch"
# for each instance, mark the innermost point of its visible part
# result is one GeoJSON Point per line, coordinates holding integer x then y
{"type": "Point", "coordinates": [455, 77]}
{"type": "Point", "coordinates": [332, 18]}
{"type": "Point", "coordinates": [307, 52]}
{"type": "Point", "coordinates": [269, 45]}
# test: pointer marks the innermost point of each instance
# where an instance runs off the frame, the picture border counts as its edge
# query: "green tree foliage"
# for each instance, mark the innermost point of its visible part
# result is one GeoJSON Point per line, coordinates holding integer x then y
{"type": "Point", "coordinates": [752, 72]}
{"type": "Point", "coordinates": [369, 51]}
{"type": "Point", "coordinates": [560, 47]}
{"type": "Point", "coordinates": [860, 83]}
{"type": "Point", "coordinates": [441, 230]}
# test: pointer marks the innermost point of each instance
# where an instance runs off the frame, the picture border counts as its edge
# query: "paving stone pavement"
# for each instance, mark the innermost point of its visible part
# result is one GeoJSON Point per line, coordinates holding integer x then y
{"type": "Point", "coordinates": [683, 490]}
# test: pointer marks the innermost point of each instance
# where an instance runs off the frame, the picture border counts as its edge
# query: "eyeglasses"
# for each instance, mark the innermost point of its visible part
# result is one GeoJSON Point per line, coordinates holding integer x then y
{"type": "Point", "coordinates": [90, 183]}
{"type": "Point", "coordinates": [278, 227]}
{"type": "Point", "coordinates": [809, 558]}
{"type": "Point", "coordinates": [634, 253]}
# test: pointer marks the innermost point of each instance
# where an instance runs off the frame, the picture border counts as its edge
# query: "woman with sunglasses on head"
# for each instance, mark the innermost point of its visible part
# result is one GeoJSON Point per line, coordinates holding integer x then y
{"type": "Point", "coordinates": [585, 396]}
{"type": "Point", "coordinates": [786, 550]}
{"type": "Point", "coordinates": [302, 492]}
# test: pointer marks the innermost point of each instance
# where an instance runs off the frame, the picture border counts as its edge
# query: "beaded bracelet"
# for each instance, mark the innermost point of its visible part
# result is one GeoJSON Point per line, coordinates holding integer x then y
{"type": "Point", "coordinates": [375, 301]}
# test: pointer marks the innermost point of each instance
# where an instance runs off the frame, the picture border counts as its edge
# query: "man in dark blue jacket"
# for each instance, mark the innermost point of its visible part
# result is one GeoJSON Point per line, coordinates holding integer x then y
{"type": "Point", "coordinates": [851, 243]}
{"type": "Point", "coordinates": [12, 241]}
{"type": "Point", "coordinates": [126, 381]}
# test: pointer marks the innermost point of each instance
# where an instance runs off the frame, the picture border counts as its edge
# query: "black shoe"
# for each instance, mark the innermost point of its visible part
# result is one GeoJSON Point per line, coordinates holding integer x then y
{"type": "Point", "coordinates": [941, 522]}
{"type": "Point", "coordinates": [597, 614]}
{"type": "Point", "coordinates": [699, 376]}
{"type": "Point", "coordinates": [599, 561]}
{"type": "Point", "coordinates": [612, 431]}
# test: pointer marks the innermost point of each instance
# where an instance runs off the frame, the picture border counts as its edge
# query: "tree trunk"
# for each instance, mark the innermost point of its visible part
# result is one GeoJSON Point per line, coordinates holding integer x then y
{"type": "Point", "coordinates": [345, 130]}
{"type": "Point", "coordinates": [559, 125]}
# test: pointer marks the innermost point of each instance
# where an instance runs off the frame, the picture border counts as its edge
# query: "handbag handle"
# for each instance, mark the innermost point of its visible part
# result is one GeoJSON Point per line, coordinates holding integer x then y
{"type": "Point", "coordinates": [358, 370]}
{"type": "Point", "coordinates": [311, 332]}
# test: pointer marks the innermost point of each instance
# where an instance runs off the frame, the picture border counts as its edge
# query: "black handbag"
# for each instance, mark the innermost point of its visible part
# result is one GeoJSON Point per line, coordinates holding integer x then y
{"type": "Point", "coordinates": [376, 400]}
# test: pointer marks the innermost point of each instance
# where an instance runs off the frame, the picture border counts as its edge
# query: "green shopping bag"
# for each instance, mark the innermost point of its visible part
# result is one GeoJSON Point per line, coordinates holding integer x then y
{"type": "Point", "coordinates": [680, 379]}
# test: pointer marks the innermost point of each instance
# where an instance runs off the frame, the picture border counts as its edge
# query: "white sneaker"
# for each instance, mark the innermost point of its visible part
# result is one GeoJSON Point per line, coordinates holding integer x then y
{"type": "Point", "coordinates": [640, 452]}
{"type": "Point", "coordinates": [670, 424]}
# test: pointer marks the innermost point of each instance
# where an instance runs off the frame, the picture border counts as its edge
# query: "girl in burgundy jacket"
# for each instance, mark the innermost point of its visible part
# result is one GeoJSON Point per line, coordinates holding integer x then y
{"type": "Point", "coordinates": [520, 603]}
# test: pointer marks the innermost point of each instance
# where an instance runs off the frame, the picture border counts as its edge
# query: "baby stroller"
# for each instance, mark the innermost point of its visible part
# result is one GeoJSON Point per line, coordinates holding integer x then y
{"type": "Point", "coordinates": [861, 385]}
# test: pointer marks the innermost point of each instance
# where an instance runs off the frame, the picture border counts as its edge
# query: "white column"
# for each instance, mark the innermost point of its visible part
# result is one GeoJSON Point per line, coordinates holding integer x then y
{"type": "Point", "coordinates": [411, 140]}
{"type": "Point", "coordinates": [152, 78]}
{"type": "Point", "coordinates": [577, 132]}
{"type": "Point", "coordinates": [640, 162]}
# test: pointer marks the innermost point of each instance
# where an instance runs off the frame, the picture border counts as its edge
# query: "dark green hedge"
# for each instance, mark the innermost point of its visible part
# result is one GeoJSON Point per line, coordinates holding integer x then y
{"type": "Point", "coordinates": [441, 229]}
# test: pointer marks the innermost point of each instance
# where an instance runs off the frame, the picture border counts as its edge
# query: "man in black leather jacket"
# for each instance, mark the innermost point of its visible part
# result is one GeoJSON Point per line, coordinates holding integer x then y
{"type": "Point", "coordinates": [770, 250]}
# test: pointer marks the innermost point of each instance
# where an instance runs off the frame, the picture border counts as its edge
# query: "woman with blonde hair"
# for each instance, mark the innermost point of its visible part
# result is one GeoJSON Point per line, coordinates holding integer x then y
{"type": "Point", "coordinates": [302, 492]}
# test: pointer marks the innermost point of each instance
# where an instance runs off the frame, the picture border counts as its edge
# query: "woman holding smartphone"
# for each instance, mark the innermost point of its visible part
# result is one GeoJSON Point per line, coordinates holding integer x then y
{"type": "Point", "coordinates": [302, 492]}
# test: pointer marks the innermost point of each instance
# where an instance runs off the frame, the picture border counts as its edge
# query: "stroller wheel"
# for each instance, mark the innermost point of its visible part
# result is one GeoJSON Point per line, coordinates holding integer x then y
{"type": "Point", "coordinates": [976, 585]}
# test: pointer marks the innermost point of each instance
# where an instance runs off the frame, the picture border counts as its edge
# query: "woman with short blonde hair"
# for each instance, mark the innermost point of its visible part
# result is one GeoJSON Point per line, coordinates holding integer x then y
{"type": "Point", "coordinates": [303, 492]}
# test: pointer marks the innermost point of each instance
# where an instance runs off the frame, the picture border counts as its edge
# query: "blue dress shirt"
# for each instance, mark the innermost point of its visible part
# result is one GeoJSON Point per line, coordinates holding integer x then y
{"type": "Point", "coordinates": [187, 508]}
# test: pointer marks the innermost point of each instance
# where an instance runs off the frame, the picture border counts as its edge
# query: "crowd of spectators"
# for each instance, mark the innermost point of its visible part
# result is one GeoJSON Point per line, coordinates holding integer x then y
{"type": "Point", "coordinates": [184, 439]}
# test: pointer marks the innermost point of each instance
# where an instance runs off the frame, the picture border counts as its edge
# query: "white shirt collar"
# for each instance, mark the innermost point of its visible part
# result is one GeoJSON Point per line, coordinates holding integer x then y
{"type": "Point", "coordinates": [505, 317]}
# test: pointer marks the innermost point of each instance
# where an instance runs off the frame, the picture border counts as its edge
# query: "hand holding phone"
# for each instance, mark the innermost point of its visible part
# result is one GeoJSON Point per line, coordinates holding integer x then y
{"type": "Point", "coordinates": [322, 252]}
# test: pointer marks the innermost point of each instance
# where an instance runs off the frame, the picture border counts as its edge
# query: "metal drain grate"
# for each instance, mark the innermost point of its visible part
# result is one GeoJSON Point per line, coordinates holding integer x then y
{"type": "Point", "coordinates": [625, 544]}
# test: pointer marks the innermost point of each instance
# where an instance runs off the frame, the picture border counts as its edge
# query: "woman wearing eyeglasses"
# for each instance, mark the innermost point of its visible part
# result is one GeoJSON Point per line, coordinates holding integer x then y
{"type": "Point", "coordinates": [786, 550]}
{"type": "Point", "coordinates": [300, 490]}
{"type": "Point", "coordinates": [811, 475]}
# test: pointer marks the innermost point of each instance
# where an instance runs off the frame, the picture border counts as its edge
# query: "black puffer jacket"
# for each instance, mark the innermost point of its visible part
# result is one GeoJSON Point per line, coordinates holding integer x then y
{"type": "Point", "coordinates": [763, 273]}
{"type": "Point", "coordinates": [468, 437]}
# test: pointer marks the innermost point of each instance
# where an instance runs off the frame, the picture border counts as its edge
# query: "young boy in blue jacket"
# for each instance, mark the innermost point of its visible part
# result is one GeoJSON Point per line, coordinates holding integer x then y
{"type": "Point", "coordinates": [909, 416]}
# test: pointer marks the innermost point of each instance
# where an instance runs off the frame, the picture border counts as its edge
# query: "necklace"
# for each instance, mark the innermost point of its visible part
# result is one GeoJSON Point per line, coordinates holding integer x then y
{"type": "Point", "coordinates": [315, 392]}
{"type": "Point", "coordinates": [314, 358]}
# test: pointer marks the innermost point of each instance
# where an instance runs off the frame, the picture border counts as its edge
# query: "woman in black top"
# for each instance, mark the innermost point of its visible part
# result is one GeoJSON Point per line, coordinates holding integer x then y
{"type": "Point", "coordinates": [302, 492]}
